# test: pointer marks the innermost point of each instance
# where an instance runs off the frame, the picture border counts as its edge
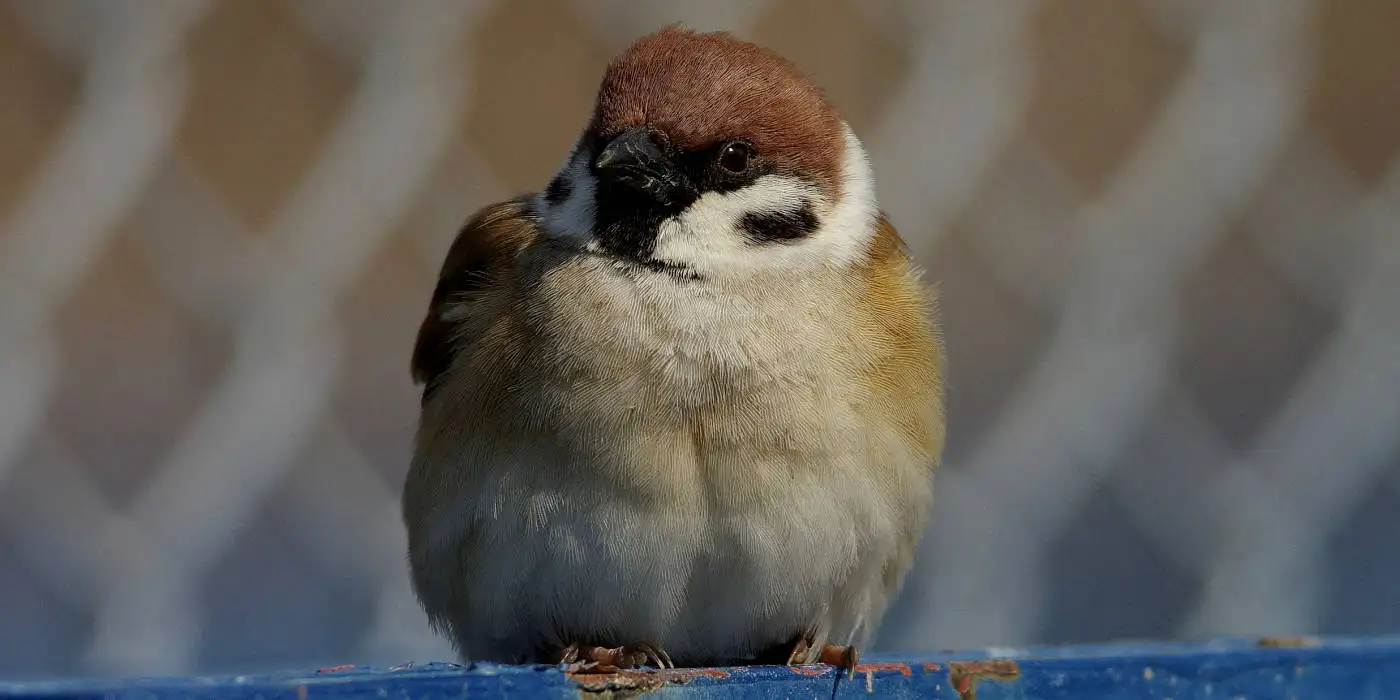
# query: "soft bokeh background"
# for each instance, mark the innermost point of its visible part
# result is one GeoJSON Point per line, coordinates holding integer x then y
{"type": "Point", "coordinates": [1167, 236]}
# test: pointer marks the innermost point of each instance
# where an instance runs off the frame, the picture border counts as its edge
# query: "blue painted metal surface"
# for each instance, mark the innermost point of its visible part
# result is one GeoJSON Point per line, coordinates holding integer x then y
{"type": "Point", "coordinates": [1354, 669]}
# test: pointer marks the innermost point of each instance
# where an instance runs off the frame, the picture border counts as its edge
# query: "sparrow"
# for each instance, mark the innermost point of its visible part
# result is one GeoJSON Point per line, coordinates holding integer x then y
{"type": "Point", "coordinates": [683, 406]}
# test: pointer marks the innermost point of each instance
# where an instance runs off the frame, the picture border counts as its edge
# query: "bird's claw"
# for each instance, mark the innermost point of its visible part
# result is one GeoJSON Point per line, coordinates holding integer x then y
{"type": "Point", "coordinates": [596, 659]}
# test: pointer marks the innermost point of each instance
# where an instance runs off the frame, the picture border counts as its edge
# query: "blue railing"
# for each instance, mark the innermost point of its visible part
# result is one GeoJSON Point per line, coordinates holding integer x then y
{"type": "Point", "coordinates": [1292, 668]}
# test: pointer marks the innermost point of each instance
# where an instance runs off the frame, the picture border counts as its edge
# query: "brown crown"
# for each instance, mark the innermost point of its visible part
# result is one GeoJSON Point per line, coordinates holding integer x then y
{"type": "Point", "coordinates": [703, 88]}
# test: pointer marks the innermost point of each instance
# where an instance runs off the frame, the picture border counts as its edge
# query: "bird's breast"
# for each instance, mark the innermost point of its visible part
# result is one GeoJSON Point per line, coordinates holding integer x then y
{"type": "Point", "coordinates": [710, 540]}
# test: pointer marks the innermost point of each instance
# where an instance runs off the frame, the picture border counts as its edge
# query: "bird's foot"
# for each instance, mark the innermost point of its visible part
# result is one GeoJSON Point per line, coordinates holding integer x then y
{"type": "Point", "coordinates": [844, 657]}
{"type": "Point", "coordinates": [582, 658]}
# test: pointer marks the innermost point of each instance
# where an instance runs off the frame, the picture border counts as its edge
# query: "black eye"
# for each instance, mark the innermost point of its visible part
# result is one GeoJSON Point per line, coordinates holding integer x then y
{"type": "Point", "coordinates": [734, 157]}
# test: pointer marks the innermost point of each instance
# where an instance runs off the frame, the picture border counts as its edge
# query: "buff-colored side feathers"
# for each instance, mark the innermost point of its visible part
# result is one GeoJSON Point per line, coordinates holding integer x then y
{"type": "Point", "coordinates": [901, 327]}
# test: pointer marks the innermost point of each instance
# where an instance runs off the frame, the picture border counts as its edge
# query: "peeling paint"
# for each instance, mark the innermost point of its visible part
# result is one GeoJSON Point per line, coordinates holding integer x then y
{"type": "Point", "coordinates": [629, 683]}
{"type": "Point", "coordinates": [965, 675]}
{"type": "Point", "coordinates": [871, 667]}
{"type": "Point", "coordinates": [1286, 641]}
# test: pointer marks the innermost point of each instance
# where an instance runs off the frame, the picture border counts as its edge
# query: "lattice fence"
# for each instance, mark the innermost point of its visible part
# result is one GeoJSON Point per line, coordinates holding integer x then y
{"type": "Point", "coordinates": [1167, 235]}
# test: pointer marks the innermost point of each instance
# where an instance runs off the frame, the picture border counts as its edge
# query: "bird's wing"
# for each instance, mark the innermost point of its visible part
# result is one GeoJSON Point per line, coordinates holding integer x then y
{"type": "Point", "coordinates": [906, 379]}
{"type": "Point", "coordinates": [478, 279]}
{"type": "Point", "coordinates": [903, 332]}
{"type": "Point", "coordinates": [479, 258]}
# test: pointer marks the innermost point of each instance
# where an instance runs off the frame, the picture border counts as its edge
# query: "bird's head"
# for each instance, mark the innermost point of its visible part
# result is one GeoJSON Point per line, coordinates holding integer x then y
{"type": "Point", "coordinates": [707, 156]}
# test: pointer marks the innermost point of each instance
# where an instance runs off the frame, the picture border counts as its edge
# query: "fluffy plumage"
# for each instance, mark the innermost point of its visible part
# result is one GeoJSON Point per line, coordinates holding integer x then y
{"type": "Point", "coordinates": [688, 441]}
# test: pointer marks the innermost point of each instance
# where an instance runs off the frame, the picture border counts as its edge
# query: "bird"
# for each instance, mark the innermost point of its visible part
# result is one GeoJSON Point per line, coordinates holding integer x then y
{"type": "Point", "coordinates": [682, 406]}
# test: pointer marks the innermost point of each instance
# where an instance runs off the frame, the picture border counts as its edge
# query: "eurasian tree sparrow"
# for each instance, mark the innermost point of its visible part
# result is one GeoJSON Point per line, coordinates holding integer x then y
{"type": "Point", "coordinates": [683, 407]}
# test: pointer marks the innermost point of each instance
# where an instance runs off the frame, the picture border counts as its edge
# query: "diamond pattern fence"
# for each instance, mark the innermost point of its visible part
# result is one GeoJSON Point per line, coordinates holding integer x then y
{"type": "Point", "coordinates": [1166, 234]}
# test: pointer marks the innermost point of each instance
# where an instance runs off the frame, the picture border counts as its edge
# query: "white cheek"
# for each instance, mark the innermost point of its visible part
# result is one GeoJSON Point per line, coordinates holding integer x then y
{"type": "Point", "coordinates": [709, 233]}
{"type": "Point", "coordinates": [709, 237]}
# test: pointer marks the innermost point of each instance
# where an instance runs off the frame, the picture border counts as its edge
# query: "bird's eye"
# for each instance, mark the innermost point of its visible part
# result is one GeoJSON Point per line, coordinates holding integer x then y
{"type": "Point", "coordinates": [734, 157]}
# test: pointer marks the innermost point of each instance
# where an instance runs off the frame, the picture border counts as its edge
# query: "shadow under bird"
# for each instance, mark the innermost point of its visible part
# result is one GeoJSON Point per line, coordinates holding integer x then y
{"type": "Point", "coordinates": [682, 407]}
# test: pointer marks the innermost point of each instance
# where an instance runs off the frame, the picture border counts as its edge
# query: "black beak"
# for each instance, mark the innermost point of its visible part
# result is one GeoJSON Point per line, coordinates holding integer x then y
{"type": "Point", "coordinates": [635, 159]}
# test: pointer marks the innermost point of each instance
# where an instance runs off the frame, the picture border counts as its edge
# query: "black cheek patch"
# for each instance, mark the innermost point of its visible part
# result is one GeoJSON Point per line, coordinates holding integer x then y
{"type": "Point", "coordinates": [779, 226]}
{"type": "Point", "coordinates": [558, 190]}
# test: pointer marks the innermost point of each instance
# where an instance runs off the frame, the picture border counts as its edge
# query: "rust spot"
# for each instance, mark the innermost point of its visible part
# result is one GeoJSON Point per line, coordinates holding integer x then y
{"type": "Point", "coordinates": [301, 692]}
{"type": "Point", "coordinates": [964, 675]}
{"type": "Point", "coordinates": [333, 669]}
{"type": "Point", "coordinates": [932, 668]}
{"type": "Point", "coordinates": [902, 668]}
{"type": "Point", "coordinates": [1298, 641]}
{"type": "Point", "coordinates": [809, 670]}
{"type": "Point", "coordinates": [630, 682]}
{"type": "Point", "coordinates": [706, 672]}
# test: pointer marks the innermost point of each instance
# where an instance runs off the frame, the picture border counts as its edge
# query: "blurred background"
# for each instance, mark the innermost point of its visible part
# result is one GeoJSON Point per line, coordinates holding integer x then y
{"type": "Point", "coordinates": [1166, 234]}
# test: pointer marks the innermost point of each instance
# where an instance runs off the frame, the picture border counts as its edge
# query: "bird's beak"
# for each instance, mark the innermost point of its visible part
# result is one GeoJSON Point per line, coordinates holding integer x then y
{"type": "Point", "coordinates": [635, 160]}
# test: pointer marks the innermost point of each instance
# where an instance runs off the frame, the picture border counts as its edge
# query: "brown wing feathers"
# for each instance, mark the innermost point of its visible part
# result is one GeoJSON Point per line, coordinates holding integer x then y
{"type": "Point", "coordinates": [489, 239]}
